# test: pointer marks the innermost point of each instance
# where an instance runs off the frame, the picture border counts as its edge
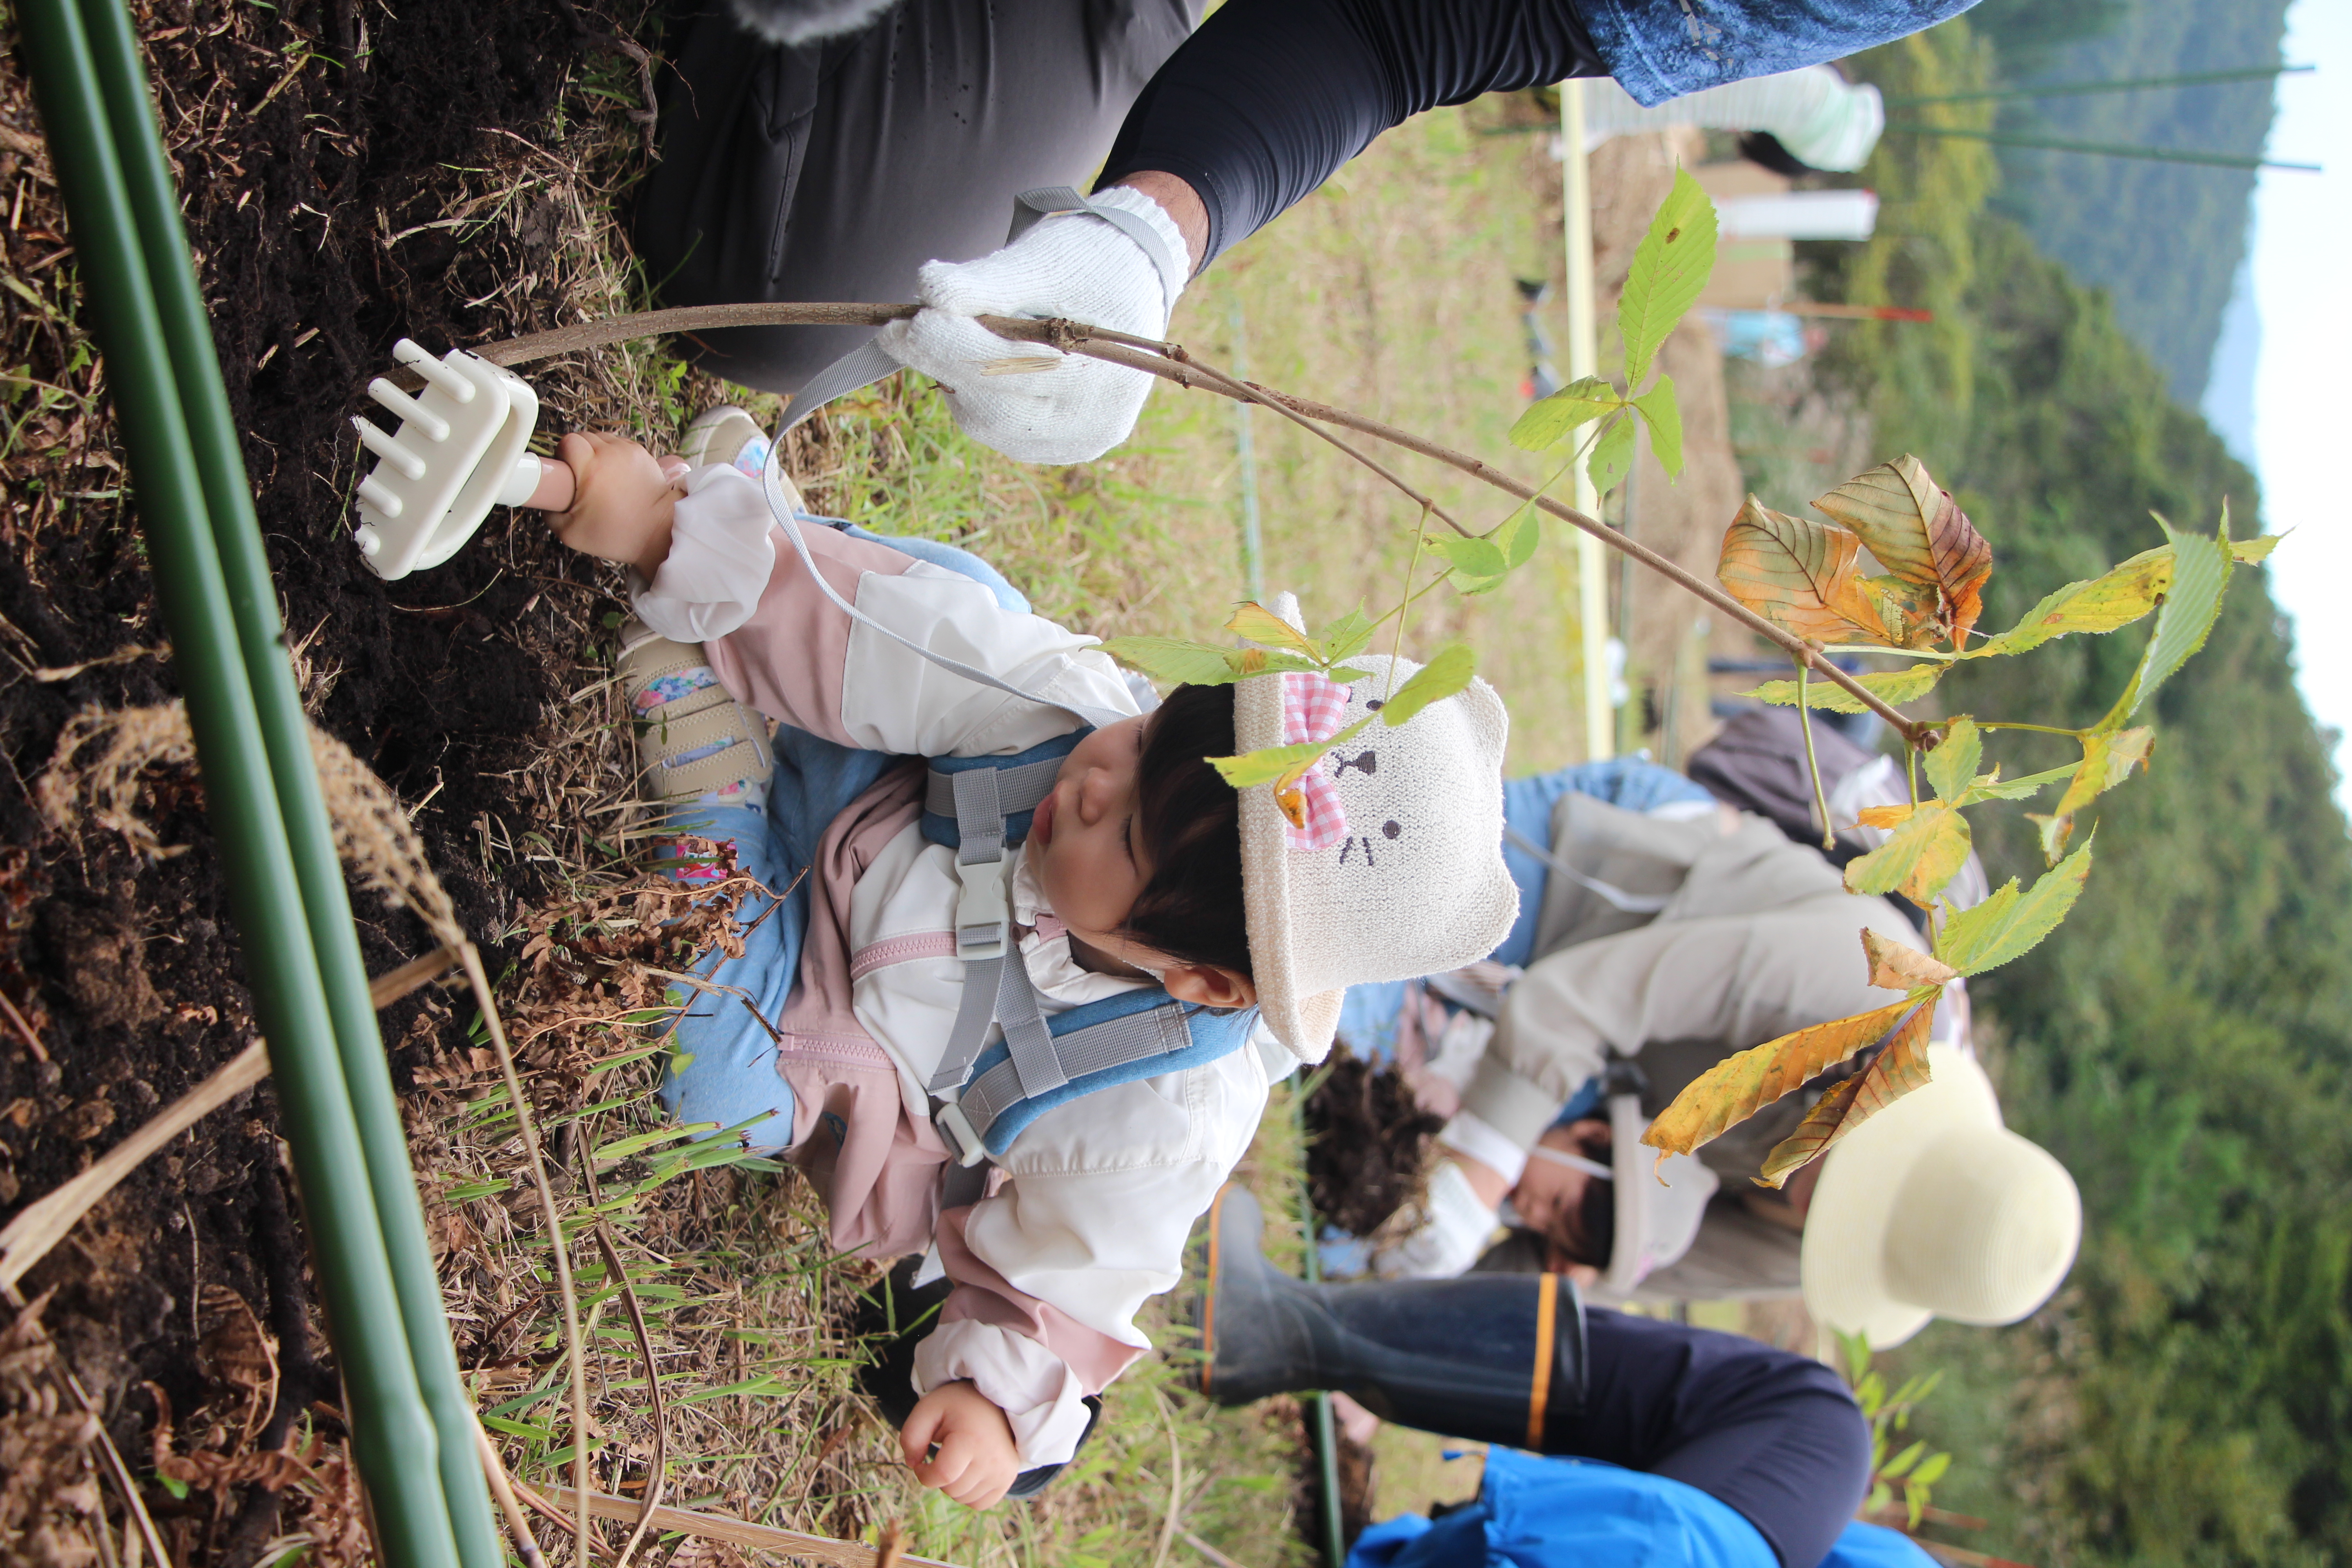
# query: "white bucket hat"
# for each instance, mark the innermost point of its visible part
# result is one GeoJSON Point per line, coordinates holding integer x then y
{"type": "Point", "coordinates": [1415, 884]}
{"type": "Point", "coordinates": [1659, 1202]}
{"type": "Point", "coordinates": [1932, 1208]}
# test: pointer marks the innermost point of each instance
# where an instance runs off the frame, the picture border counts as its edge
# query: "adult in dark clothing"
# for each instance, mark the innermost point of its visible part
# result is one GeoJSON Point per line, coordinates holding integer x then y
{"type": "Point", "coordinates": [828, 149]}
{"type": "Point", "coordinates": [1519, 1360]}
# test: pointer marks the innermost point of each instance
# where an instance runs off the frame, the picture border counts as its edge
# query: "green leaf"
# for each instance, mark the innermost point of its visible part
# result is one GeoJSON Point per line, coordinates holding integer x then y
{"type": "Point", "coordinates": [2201, 576]}
{"type": "Point", "coordinates": [1517, 537]}
{"type": "Point", "coordinates": [1931, 1470]}
{"type": "Point", "coordinates": [2095, 606]}
{"type": "Point", "coordinates": [1918, 859]}
{"type": "Point", "coordinates": [1670, 267]}
{"type": "Point", "coordinates": [2008, 924]}
{"type": "Point", "coordinates": [2247, 551]}
{"type": "Point", "coordinates": [1664, 416]}
{"type": "Point", "coordinates": [1894, 1468]}
{"type": "Point", "coordinates": [1473, 557]}
{"type": "Point", "coordinates": [1580, 403]}
{"type": "Point", "coordinates": [1448, 671]}
{"type": "Point", "coordinates": [1992, 786]}
{"type": "Point", "coordinates": [1272, 764]}
{"type": "Point", "coordinates": [1613, 456]}
{"type": "Point", "coordinates": [2107, 760]}
{"type": "Point", "coordinates": [1892, 685]}
{"type": "Point", "coordinates": [1168, 658]}
{"type": "Point", "coordinates": [1880, 1496]}
{"type": "Point", "coordinates": [1262, 626]}
{"type": "Point", "coordinates": [1348, 635]}
{"type": "Point", "coordinates": [1952, 765]}
{"type": "Point", "coordinates": [179, 1489]}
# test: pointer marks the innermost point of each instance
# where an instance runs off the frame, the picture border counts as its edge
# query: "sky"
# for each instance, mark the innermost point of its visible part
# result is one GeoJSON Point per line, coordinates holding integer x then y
{"type": "Point", "coordinates": [2301, 274]}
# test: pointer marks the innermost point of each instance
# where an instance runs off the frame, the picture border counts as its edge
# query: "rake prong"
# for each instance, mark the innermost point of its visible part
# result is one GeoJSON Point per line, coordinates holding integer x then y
{"type": "Point", "coordinates": [412, 411]}
{"type": "Point", "coordinates": [388, 448]}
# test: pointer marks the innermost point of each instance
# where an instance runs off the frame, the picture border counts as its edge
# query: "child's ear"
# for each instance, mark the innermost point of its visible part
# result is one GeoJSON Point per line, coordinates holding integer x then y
{"type": "Point", "coordinates": [1210, 985]}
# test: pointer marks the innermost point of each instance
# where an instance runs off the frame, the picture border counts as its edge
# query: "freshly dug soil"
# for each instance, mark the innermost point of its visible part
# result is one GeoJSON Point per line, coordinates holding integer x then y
{"type": "Point", "coordinates": [321, 146]}
{"type": "Point", "coordinates": [1369, 1144]}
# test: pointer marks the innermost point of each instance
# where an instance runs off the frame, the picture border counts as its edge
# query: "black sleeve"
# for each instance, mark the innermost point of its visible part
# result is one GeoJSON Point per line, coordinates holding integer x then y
{"type": "Point", "coordinates": [1269, 97]}
{"type": "Point", "coordinates": [1773, 1434]}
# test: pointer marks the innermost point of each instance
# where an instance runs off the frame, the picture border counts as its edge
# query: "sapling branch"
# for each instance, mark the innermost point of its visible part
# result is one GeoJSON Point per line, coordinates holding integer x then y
{"type": "Point", "coordinates": [1813, 763]}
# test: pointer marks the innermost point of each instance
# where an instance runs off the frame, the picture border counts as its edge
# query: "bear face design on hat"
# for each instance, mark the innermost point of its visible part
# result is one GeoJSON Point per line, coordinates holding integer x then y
{"type": "Point", "coordinates": [1410, 878]}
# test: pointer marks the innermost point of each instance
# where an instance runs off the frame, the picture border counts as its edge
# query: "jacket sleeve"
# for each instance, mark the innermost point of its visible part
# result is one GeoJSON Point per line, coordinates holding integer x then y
{"type": "Point", "coordinates": [1744, 978]}
{"type": "Point", "coordinates": [1091, 1222]}
{"type": "Point", "coordinates": [789, 652]}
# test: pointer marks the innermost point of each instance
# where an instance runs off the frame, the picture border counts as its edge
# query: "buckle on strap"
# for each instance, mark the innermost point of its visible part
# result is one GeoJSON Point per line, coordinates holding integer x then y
{"type": "Point", "coordinates": [983, 923]}
{"type": "Point", "coordinates": [956, 1131]}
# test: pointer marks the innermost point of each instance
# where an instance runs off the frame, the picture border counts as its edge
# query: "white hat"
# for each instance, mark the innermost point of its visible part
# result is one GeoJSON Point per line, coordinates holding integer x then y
{"type": "Point", "coordinates": [1656, 1223]}
{"type": "Point", "coordinates": [1932, 1208]}
{"type": "Point", "coordinates": [1416, 883]}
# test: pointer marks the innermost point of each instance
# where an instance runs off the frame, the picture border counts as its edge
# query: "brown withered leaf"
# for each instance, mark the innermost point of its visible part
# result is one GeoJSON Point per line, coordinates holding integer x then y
{"type": "Point", "coordinates": [1916, 531]}
{"type": "Point", "coordinates": [1901, 1068]}
{"type": "Point", "coordinates": [1736, 1088]}
{"type": "Point", "coordinates": [1897, 967]}
{"type": "Point", "coordinates": [233, 1351]}
{"type": "Point", "coordinates": [1802, 575]}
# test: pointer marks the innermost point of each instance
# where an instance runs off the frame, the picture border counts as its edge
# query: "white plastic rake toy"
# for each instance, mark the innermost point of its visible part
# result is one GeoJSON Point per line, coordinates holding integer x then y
{"type": "Point", "coordinates": [460, 450]}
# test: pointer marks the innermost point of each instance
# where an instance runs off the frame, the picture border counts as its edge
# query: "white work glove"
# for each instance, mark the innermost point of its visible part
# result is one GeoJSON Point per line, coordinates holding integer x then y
{"type": "Point", "coordinates": [1450, 1240]}
{"type": "Point", "coordinates": [1076, 267]}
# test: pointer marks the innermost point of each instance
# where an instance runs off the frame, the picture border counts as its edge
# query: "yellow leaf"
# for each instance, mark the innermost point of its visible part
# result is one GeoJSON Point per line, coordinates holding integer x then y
{"type": "Point", "coordinates": [2107, 760]}
{"type": "Point", "coordinates": [1800, 575]}
{"type": "Point", "coordinates": [1736, 1088]}
{"type": "Point", "coordinates": [1885, 816]}
{"type": "Point", "coordinates": [1291, 803]}
{"type": "Point", "coordinates": [1917, 532]}
{"type": "Point", "coordinates": [1901, 1068]}
{"type": "Point", "coordinates": [2096, 606]}
{"type": "Point", "coordinates": [1895, 967]}
{"type": "Point", "coordinates": [1260, 625]}
{"type": "Point", "coordinates": [1924, 854]}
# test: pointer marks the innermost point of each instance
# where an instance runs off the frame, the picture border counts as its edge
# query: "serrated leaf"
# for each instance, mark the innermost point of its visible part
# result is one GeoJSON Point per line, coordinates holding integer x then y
{"type": "Point", "coordinates": [1613, 456]}
{"type": "Point", "coordinates": [1262, 626]}
{"type": "Point", "coordinates": [1170, 659]}
{"type": "Point", "coordinates": [2009, 923]}
{"type": "Point", "coordinates": [1920, 535]}
{"type": "Point", "coordinates": [1246, 662]}
{"type": "Point", "coordinates": [1894, 686]}
{"type": "Point", "coordinates": [1736, 1088]}
{"type": "Point", "coordinates": [1926, 852]}
{"type": "Point", "coordinates": [2248, 552]}
{"type": "Point", "coordinates": [2095, 606]}
{"type": "Point", "coordinates": [2200, 576]}
{"type": "Point", "coordinates": [1664, 416]}
{"type": "Point", "coordinates": [1992, 786]}
{"type": "Point", "coordinates": [1577, 403]}
{"type": "Point", "coordinates": [1472, 557]}
{"type": "Point", "coordinates": [1348, 635]}
{"type": "Point", "coordinates": [1279, 765]}
{"type": "Point", "coordinates": [1889, 816]}
{"type": "Point", "coordinates": [2107, 760]}
{"type": "Point", "coordinates": [2053, 831]}
{"type": "Point", "coordinates": [1798, 575]}
{"type": "Point", "coordinates": [1448, 671]}
{"type": "Point", "coordinates": [1896, 966]}
{"type": "Point", "coordinates": [1901, 1068]}
{"type": "Point", "coordinates": [1952, 765]}
{"type": "Point", "coordinates": [1670, 267]}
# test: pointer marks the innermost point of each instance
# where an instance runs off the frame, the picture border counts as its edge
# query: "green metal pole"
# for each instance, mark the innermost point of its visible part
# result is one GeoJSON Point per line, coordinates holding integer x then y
{"type": "Point", "coordinates": [392, 1428]}
{"type": "Point", "coordinates": [2106, 149]}
{"type": "Point", "coordinates": [285, 733]}
{"type": "Point", "coordinates": [2082, 89]}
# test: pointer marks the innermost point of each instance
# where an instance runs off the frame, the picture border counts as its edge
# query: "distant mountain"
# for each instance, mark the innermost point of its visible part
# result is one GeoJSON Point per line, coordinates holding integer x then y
{"type": "Point", "coordinates": [2165, 240]}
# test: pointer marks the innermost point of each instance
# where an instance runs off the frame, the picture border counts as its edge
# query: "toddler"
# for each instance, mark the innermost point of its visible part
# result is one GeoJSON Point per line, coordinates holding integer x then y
{"type": "Point", "coordinates": [922, 1014]}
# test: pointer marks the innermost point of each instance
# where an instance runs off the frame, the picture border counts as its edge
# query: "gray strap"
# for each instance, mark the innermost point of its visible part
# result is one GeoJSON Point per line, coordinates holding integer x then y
{"type": "Point", "coordinates": [963, 1186]}
{"type": "Point", "coordinates": [1632, 904]}
{"type": "Point", "coordinates": [780, 506]}
{"type": "Point", "coordinates": [1116, 1042]}
{"type": "Point", "coordinates": [979, 816]}
{"type": "Point", "coordinates": [1054, 200]}
{"type": "Point", "coordinates": [968, 1037]}
{"type": "Point", "coordinates": [1020, 789]}
{"type": "Point", "coordinates": [1026, 1034]}
{"type": "Point", "coordinates": [860, 367]}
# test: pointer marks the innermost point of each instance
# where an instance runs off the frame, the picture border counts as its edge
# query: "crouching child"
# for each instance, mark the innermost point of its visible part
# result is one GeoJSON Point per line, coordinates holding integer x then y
{"type": "Point", "coordinates": [1030, 964]}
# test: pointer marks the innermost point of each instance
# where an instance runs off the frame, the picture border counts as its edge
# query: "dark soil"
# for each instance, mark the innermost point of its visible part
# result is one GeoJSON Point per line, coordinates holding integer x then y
{"type": "Point", "coordinates": [1369, 1144]}
{"type": "Point", "coordinates": [305, 181]}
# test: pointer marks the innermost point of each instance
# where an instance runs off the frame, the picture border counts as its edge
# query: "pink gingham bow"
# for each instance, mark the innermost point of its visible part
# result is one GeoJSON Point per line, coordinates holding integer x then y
{"type": "Point", "coordinates": [1313, 709]}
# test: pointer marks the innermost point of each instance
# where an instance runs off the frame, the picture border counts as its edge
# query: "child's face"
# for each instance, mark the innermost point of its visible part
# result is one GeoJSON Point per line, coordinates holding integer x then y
{"type": "Point", "coordinates": [1083, 843]}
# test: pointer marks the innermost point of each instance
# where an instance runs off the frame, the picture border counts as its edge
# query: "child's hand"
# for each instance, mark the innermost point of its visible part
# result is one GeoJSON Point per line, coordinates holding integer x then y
{"type": "Point", "coordinates": [977, 1459]}
{"type": "Point", "coordinates": [622, 503]}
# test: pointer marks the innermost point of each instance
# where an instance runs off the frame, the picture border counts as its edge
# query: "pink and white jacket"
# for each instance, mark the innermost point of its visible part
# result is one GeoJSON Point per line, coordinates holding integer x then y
{"type": "Point", "coordinates": [1089, 1213]}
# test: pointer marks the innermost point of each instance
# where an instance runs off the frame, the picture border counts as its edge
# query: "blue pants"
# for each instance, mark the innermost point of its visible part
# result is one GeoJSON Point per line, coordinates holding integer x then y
{"type": "Point", "coordinates": [722, 1071]}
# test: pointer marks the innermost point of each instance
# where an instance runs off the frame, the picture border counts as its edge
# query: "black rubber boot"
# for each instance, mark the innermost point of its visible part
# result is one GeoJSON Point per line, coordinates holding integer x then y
{"type": "Point", "coordinates": [892, 1319]}
{"type": "Point", "coordinates": [1492, 1357]}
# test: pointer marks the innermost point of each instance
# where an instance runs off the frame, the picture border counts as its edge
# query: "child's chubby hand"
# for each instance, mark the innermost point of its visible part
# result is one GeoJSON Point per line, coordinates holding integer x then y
{"type": "Point", "coordinates": [977, 1459]}
{"type": "Point", "coordinates": [623, 500]}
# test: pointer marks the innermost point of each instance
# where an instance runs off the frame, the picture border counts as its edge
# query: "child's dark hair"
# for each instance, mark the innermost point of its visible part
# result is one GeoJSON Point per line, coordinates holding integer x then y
{"type": "Point", "coordinates": [1588, 1233]}
{"type": "Point", "coordinates": [1188, 821]}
